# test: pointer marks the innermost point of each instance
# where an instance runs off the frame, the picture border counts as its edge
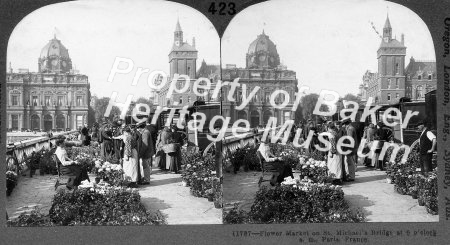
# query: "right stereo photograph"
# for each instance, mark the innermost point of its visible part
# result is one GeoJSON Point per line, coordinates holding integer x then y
{"type": "Point", "coordinates": [332, 114]}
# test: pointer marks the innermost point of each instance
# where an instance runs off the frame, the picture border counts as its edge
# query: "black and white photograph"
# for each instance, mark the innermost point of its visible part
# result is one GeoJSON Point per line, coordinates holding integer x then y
{"type": "Point", "coordinates": [225, 121]}
{"type": "Point", "coordinates": [309, 75]}
{"type": "Point", "coordinates": [96, 134]}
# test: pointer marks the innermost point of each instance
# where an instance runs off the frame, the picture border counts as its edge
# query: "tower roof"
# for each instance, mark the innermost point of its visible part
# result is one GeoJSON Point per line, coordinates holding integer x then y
{"type": "Point", "coordinates": [263, 43]}
{"type": "Point", "coordinates": [54, 48]}
{"type": "Point", "coordinates": [178, 27]}
{"type": "Point", "coordinates": [387, 24]}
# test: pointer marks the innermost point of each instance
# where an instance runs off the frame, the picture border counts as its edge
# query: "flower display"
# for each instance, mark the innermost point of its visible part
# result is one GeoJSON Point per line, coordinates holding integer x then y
{"type": "Point", "coordinates": [297, 201]}
{"type": "Point", "coordinates": [408, 180]}
{"type": "Point", "coordinates": [199, 173]}
{"type": "Point", "coordinates": [315, 170]}
{"type": "Point", "coordinates": [11, 181]}
{"type": "Point", "coordinates": [108, 172]}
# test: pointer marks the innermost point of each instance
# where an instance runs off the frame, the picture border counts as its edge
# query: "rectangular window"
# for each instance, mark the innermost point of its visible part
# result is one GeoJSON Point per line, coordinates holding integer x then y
{"type": "Point", "coordinates": [35, 100]}
{"type": "Point", "coordinates": [267, 97]}
{"type": "Point", "coordinates": [389, 83]}
{"type": "Point", "coordinates": [47, 100]}
{"type": "Point", "coordinates": [396, 83]}
{"type": "Point", "coordinates": [181, 101]}
{"type": "Point", "coordinates": [15, 100]}
{"type": "Point", "coordinates": [79, 121]}
{"type": "Point", "coordinates": [15, 122]}
{"type": "Point", "coordinates": [79, 100]}
{"type": "Point", "coordinates": [429, 77]}
{"type": "Point", "coordinates": [60, 100]}
{"type": "Point", "coordinates": [397, 95]}
{"type": "Point", "coordinates": [388, 96]}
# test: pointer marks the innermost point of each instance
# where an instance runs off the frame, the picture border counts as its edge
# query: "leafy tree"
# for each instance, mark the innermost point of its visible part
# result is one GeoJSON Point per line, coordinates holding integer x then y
{"type": "Point", "coordinates": [298, 114]}
{"type": "Point", "coordinates": [99, 106]}
{"type": "Point", "coordinates": [308, 103]}
{"type": "Point", "coordinates": [140, 100]}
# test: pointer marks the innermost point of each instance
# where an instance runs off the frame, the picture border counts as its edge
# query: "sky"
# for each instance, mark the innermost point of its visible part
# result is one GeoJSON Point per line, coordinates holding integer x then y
{"type": "Point", "coordinates": [329, 44]}
{"type": "Point", "coordinates": [96, 32]}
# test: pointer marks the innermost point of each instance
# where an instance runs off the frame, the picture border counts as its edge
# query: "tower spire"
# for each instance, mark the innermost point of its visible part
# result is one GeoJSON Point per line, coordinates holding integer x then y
{"type": "Point", "coordinates": [387, 30]}
{"type": "Point", "coordinates": [178, 34]}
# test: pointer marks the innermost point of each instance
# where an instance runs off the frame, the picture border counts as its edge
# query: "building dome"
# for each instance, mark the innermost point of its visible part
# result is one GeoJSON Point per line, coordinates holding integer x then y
{"type": "Point", "coordinates": [54, 58]}
{"type": "Point", "coordinates": [54, 48]}
{"type": "Point", "coordinates": [262, 53]}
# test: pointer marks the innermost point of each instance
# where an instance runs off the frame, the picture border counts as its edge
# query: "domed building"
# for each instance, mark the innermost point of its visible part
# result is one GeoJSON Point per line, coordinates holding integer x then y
{"type": "Point", "coordinates": [263, 69]}
{"type": "Point", "coordinates": [262, 53]}
{"type": "Point", "coordinates": [55, 58]}
{"type": "Point", "coordinates": [54, 98]}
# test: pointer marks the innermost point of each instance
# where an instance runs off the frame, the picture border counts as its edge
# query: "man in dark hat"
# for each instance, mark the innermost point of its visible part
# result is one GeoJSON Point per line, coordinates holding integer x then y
{"type": "Point", "coordinates": [146, 151]}
{"type": "Point", "coordinates": [383, 134]}
{"type": "Point", "coordinates": [427, 145]}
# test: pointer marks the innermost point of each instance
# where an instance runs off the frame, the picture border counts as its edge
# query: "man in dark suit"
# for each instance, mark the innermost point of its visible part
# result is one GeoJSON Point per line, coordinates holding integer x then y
{"type": "Point", "coordinates": [146, 151]}
{"type": "Point", "coordinates": [427, 145]}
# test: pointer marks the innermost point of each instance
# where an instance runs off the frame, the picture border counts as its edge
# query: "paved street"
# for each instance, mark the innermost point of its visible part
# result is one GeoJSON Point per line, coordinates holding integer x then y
{"type": "Point", "coordinates": [370, 192]}
{"type": "Point", "coordinates": [165, 193]}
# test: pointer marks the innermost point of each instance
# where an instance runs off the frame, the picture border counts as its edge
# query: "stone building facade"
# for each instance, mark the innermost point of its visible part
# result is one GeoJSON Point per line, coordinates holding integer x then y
{"type": "Point", "coordinates": [263, 69]}
{"type": "Point", "coordinates": [393, 81]}
{"type": "Point", "coordinates": [183, 61]}
{"type": "Point", "coordinates": [54, 98]}
{"type": "Point", "coordinates": [420, 78]}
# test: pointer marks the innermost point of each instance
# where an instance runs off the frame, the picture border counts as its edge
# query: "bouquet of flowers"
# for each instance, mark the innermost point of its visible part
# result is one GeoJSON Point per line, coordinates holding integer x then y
{"type": "Point", "coordinates": [111, 173]}
{"type": "Point", "coordinates": [315, 170]}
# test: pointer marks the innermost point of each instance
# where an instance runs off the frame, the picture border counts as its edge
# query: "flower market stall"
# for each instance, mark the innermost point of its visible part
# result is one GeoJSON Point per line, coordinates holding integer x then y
{"type": "Point", "coordinates": [408, 179]}
{"type": "Point", "coordinates": [309, 197]}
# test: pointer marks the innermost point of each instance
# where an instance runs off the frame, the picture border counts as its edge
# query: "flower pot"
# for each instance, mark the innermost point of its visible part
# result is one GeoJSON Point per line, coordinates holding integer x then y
{"type": "Point", "coordinates": [421, 202]}
{"type": "Point", "coordinates": [210, 198]}
{"type": "Point", "coordinates": [217, 204]}
{"type": "Point", "coordinates": [414, 196]}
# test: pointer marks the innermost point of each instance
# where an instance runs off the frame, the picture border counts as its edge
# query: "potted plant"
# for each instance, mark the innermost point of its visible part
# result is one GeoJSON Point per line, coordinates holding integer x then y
{"type": "Point", "coordinates": [210, 194]}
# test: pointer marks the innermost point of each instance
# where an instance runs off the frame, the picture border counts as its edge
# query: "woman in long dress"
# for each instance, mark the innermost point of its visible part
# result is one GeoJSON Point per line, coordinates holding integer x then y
{"type": "Point", "coordinates": [334, 162]}
{"type": "Point", "coordinates": [130, 167]}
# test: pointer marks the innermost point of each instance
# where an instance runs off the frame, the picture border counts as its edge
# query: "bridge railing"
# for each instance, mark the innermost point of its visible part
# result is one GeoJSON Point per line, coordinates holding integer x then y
{"type": "Point", "coordinates": [22, 150]}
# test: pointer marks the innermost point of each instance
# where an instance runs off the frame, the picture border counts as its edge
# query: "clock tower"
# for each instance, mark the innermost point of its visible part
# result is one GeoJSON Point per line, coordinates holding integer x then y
{"type": "Point", "coordinates": [183, 56]}
{"type": "Point", "coordinates": [391, 67]}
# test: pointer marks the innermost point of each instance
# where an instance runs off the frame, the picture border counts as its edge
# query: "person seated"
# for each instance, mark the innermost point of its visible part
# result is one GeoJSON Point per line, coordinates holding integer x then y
{"type": "Point", "coordinates": [273, 163]}
{"type": "Point", "coordinates": [266, 153]}
{"type": "Point", "coordinates": [69, 166]}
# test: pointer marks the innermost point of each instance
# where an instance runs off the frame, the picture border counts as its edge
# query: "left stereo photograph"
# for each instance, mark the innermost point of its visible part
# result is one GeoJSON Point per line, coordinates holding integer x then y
{"type": "Point", "coordinates": [111, 111]}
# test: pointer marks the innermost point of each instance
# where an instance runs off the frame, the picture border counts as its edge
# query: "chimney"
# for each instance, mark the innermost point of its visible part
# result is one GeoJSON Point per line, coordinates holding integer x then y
{"type": "Point", "coordinates": [403, 39]}
{"type": "Point", "coordinates": [193, 42]}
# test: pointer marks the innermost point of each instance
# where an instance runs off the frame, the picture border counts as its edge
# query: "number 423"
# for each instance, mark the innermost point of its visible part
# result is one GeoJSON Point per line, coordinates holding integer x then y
{"type": "Point", "coordinates": [223, 8]}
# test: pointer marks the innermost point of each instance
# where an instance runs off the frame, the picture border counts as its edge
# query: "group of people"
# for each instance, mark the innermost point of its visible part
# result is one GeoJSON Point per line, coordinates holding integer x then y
{"type": "Point", "coordinates": [343, 166]}
{"type": "Point", "coordinates": [134, 146]}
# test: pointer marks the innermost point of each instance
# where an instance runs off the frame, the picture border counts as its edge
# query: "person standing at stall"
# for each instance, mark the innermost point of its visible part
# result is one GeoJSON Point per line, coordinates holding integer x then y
{"type": "Point", "coordinates": [427, 145]}
{"type": "Point", "coordinates": [146, 152]}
